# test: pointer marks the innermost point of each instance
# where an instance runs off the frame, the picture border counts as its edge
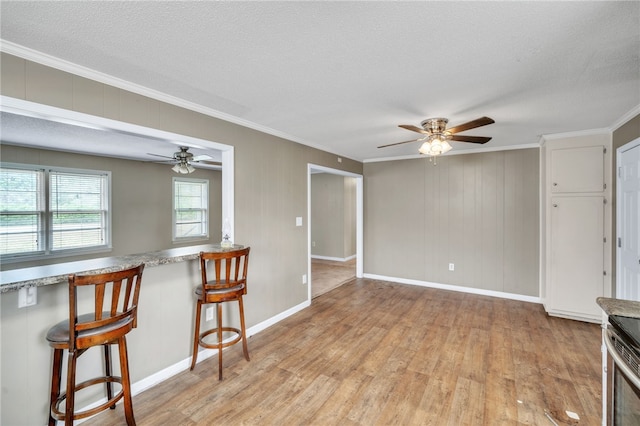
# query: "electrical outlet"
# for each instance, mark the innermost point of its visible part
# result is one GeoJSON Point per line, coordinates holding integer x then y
{"type": "Point", "coordinates": [27, 296]}
{"type": "Point", "coordinates": [452, 267]}
{"type": "Point", "coordinates": [304, 278]}
{"type": "Point", "coordinates": [313, 243]}
{"type": "Point", "coordinates": [209, 313]}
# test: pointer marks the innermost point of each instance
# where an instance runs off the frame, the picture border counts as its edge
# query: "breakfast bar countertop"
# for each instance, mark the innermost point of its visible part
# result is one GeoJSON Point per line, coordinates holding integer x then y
{"type": "Point", "coordinates": [620, 307]}
{"type": "Point", "coordinates": [37, 276]}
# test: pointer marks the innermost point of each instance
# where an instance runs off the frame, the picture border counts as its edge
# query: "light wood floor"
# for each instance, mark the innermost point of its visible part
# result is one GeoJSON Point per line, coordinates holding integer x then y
{"type": "Point", "coordinates": [328, 274]}
{"type": "Point", "coordinates": [377, 353]}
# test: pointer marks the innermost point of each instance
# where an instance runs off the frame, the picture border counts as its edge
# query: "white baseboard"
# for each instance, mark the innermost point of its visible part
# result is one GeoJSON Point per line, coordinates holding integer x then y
{"type": "Point", "coordinates": [461, 289]}
{"type": "Point", "coordinates": [335, 259]}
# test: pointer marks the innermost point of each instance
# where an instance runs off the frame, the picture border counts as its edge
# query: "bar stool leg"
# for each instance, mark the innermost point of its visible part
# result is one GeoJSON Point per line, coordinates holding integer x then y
{"type": "Point", "coordinates": [56, 377]}
{"type": "Point", "coordinates": [243, 330]}
{"type": "Point", "coordinates": [196, 336]}
{"type": "Point", "coordinates": [71, 388]}
{"type": "Point", "coordinates": [219, 307]}
{"type": "Point", "coordinates": [107, 371]}
{"type": "Point", "coordinates": [126, 381]}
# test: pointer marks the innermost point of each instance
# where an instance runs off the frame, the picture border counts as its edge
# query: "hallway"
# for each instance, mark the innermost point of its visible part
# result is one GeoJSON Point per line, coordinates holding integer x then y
{"type": "Point", "coordinates": [329, 274]}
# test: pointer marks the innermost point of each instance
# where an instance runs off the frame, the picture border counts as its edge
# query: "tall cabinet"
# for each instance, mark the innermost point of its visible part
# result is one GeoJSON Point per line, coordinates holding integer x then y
{"type": "Point", "coordinates": [577, 225]}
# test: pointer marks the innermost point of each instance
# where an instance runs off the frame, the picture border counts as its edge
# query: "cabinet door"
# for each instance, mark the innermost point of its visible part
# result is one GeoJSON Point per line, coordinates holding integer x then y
{"type": "Point", "coordinates": [577, 255]}
{"type": "Point", "coordinates": [577, 169]}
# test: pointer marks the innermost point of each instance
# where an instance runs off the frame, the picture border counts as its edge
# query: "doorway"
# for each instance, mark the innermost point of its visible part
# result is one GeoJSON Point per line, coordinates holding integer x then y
{"type": "Point", "coordinates": [628, 222]}
{"type": "Point", "coordinates": [334, 205]}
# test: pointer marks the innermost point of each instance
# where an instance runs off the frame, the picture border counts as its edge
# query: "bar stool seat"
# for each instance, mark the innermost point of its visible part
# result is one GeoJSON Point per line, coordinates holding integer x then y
{"type": "Point", "coordinates": [228, 284]}
{"type": "Point", "coordinates": [118, 292]}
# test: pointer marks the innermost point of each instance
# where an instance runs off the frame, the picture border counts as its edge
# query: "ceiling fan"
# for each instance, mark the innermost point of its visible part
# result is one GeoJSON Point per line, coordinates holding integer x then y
{"type": "Point", "coordinates": [436, 134]}
{"type": "Point", "coordinates": [182, 160]}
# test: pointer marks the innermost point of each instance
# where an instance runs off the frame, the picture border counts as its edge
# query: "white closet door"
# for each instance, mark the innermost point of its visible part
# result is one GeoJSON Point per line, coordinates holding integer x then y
{"type": "Point", "coordinates": [577, 254]}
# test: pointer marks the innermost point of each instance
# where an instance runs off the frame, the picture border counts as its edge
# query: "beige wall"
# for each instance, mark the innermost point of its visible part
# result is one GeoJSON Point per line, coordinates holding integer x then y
{"type": "Point", "coordinates": [478, 211]}
{"type": "Point", "coordinates": [333, 231]}
{"type": "Point", "coordinates": [270, 192]}
{"type": "Point", "coordinates": [621, 136]}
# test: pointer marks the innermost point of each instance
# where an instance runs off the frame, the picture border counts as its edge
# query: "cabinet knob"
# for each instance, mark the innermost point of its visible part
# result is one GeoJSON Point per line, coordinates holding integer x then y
{"type": "Point", "coordinates": [555, 184]}
{"type": "Point", "coordinates": [555, 205]}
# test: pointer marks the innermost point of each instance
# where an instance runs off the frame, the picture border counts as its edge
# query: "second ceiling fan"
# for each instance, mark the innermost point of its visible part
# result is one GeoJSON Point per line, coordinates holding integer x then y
{"type": "Point", "coordinates": [183, 159]}
{"type": "Point", "coordinates": [436, 134]}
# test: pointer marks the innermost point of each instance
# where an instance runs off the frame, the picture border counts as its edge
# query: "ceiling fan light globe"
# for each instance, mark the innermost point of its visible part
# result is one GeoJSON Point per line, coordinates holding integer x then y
{"type": "Point", "coordinates": [190, 168]}
{"type": "Point", "coordinates": [176, 168]}
{"type": "Point", "coordinates": [425, 149]}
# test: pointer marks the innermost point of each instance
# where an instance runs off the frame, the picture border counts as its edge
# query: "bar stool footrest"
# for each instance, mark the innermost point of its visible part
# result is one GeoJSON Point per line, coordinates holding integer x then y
{"type": "Point", "coordinates": [235, 339]}
{"type": "Point", "coordinates": [60, 415]}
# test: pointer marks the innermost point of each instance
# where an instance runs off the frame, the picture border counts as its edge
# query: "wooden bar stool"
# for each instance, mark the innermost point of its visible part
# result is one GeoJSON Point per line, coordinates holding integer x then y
{"type": "Point", "coordinates": [229, 284]}
{"type": "Point", "coordinates": [113, 315]}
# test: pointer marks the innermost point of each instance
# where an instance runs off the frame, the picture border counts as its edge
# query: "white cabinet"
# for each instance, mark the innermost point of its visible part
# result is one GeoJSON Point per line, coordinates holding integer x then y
{"type": "Point", "coordinates": [577, 255]}
{"type": "Point", "coordinates": [577, 226]}
{"type": "Point", "coordinates": [577, 169]}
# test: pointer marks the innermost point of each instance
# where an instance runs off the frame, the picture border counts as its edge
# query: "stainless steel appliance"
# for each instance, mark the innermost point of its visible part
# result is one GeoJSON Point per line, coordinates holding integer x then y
{"type": "Point", "coordinates": [622, 374]}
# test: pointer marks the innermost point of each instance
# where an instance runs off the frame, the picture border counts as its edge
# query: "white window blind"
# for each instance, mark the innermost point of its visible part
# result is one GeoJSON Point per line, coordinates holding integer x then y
{"type": "Point", "coordinates": [78, 210]}
{"type": "Point", "coordinates": [190, 208]}
{"type": "Point", "coordinates": [21, 211]}
{"type": "Point", "coordinates": [47, 211]}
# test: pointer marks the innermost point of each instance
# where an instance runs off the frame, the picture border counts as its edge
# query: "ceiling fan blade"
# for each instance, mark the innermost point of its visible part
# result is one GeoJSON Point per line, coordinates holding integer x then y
{"type": "Point", "coordinates": [413, 129]}
{"type": "Point", "coordinates": [397, 143]}
{"type": "Point", "coordinates": [472, 139]}
{"type": "Point", "coordinates": [482, 121]}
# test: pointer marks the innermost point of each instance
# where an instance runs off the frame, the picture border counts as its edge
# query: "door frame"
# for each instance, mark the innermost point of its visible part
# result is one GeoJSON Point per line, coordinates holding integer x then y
{"type": "Point", "coordinates": [359, 218]}
{"type": "Point", "coordinates": [619, 207]}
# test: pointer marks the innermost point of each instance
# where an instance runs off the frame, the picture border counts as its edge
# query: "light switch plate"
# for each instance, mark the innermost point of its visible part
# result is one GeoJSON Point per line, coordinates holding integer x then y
{"type": "Point", "coordinates": [298, 221]}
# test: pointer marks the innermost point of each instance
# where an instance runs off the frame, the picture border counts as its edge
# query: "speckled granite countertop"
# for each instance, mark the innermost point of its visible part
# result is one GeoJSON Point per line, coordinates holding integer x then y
{"type": "Point", "coordinates": [57, 273]}
{"type": "Point", "coordinates": [624, 308]}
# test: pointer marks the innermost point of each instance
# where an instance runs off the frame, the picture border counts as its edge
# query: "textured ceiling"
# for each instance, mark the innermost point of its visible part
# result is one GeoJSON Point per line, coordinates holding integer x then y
{"type": "Point", "coordinates": [341, 76]}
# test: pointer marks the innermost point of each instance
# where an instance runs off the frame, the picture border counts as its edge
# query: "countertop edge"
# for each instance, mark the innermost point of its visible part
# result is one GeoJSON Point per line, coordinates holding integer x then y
{"type": "Point", "coordinates": [621, 307]}
{"type": "Point", "coordinates": [39, 276]}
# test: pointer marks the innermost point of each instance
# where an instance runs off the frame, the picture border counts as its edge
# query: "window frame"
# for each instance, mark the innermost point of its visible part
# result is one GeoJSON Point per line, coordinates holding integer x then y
{"type": "Point", "coordinates": [174, 224]}
{"type": "Point", "coordinates": [45, 229]}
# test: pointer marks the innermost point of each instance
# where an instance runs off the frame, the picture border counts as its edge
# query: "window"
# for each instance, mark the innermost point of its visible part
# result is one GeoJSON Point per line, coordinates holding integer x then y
{"type": "Point", "coordinates": [190, 209]}
{"type": "Point", "coordinates": [52, 211]}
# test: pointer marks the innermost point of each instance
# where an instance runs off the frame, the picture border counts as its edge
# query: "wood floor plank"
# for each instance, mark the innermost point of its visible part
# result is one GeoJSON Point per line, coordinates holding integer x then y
{"type": "Point", "coordinates": [335, 410]}
{"type": "Point", "coordinates": [403, 403]}
{"type": "Point", "coordinates": [305, 404]}
{"type": "Point", "coordinates": [467, 406]}
{"type": "Point", "coordinates": [501, 404]}
{"type": "Point", "coordinates": [436, 402]}
{"type": "Point", "coordinates": [372, 352]}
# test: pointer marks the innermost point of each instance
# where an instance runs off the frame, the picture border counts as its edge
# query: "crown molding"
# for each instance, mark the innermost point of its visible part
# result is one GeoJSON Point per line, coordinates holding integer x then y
{"type": "Point", "coordinates": [625, 118]}
{"type": "Point", "coordinates": [590, 132]}
{"type": "Point", "coordinates": [607, 130]}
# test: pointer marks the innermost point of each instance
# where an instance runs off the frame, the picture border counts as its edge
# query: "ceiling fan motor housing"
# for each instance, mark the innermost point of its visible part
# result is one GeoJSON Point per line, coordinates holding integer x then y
{"type": "Point", "coordinates": [435, 125]}
{"type": "Point", "coordinates": [183, 155]}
